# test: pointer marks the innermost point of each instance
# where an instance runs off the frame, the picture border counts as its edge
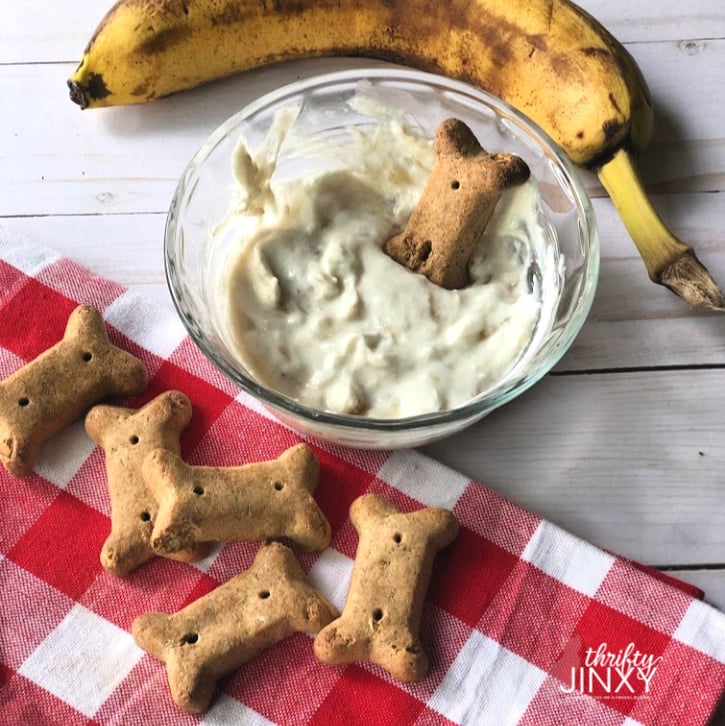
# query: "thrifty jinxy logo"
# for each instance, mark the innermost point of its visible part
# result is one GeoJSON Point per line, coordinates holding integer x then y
{"type": "Point", "coordinates": [626, 673]}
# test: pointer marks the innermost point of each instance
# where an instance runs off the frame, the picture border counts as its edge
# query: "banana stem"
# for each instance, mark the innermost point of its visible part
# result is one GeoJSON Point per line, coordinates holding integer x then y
{"type": "Point", "coordinates": [669, 261]}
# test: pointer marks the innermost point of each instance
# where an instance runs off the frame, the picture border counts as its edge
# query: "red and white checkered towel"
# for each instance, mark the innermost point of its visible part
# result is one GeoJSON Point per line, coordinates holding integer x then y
{"type": "Point", "coordinates": [524, 623]}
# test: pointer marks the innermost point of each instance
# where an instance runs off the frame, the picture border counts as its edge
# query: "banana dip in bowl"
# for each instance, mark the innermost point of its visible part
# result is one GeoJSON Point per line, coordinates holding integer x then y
{"type": "Point", "coordinates": [275, 260]}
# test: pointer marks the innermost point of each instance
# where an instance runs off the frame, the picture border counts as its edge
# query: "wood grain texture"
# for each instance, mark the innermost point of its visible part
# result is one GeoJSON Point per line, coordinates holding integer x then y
{"type": "Point", "coordinates": [629, 461]}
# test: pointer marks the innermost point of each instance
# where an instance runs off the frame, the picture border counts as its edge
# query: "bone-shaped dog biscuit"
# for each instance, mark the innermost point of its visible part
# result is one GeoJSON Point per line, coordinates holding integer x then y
{"type": "Point", "coordinates": [49, 393]}
{"type": "Point", "coordinates": [232, 624]}
{"type": "Point", "coordinates": [127, 436]}
{"type": "Point", "coordinates": [259, 501]}
{"type": "Point", "coordinates": [383, 610]}
{"type": "Point", "coordinates": [457, 202]}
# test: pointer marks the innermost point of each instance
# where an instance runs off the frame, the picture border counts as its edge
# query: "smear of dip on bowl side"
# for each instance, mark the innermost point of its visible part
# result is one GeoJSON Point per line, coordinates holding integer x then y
{"type": "Point", "coordinates": [316, 311]}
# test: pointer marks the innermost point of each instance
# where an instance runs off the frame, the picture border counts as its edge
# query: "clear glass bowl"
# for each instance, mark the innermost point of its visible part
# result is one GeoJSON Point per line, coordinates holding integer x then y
{"type": "Point", "coordinates": [204, 197]}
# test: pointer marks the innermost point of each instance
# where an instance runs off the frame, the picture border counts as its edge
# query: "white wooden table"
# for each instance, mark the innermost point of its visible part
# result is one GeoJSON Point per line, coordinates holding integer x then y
{"type": "Point", "coordinates": [623, 445]}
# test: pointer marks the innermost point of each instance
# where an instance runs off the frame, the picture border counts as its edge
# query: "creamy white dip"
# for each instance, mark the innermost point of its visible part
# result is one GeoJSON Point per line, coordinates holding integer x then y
{"type": "Point", "coordinates": [318, 312]}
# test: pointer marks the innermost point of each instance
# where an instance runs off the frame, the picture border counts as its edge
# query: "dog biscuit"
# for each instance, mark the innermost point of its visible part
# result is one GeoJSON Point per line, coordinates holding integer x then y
{"type": "Point", "coordinates": [457, 202]}
{"type": "Point", "coordinates": [127, 436]}
{"type": "Point", "coordinates": [384, 605]}
{"type": "Point", "coordinates": [232, 624]}
{"type": "Point", "coordinates": [259, 501]}
{"type": "Point", "coordinates": [49, 393]}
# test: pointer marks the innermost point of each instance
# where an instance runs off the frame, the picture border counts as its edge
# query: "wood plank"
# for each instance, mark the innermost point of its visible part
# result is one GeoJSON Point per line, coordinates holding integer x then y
{"type": "Point", "coordinates": [631, 462]}
{"type": "Point", "coordinates": [60, 33]}
{"type": "Point", "coordinates": [127, 248]}
{"type": "Point", "coordinates": [711, 582]}
{"type": "Point", "coordinates": [687, 152]}
{"type": "Point", "coordinates": [638, 20]}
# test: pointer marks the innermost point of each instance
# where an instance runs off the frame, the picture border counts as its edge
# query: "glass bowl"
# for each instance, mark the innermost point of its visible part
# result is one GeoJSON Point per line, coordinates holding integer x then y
{"type": "Point", "coordinates": [204, 197]}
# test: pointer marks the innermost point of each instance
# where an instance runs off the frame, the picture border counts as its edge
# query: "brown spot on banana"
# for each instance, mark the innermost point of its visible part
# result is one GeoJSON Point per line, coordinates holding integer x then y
{"type": "Point", "coordinates": [96, 86]}
{"type": "Point", "coordinates": [612, 128]}
{"type": "Point", "coordinates": [231, 13]}
{"type": "Point", "coordinates": [595, 50]}
{"type": "Point", "coordinates": [538, 43]}
{"type": "Point", "coordinates": [566, 68]}
{"type": "Point", "coordinates": [613, 100]}
{"type": "Point", "coordinates": [162, 40]}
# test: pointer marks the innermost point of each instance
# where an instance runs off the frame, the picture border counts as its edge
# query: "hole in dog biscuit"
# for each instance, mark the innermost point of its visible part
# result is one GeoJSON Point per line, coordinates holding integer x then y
{"type": "Point", "coordinates": [198, 490]}
{"type": "Point", "coordinates": [133, 440]}
{"type": "Point", "coordinates": [425, 250]}
{"type": "Point", "coordinates": [377, 614]}
{"type": "Point", "coordinates": [23, 401]}
{"type": "Point", "coordinates": [455, 184]}
{"type": "Point", "coordinates": [278, 486]}
{"type": "Point", "coordinates": [264, 594]}
{"type": "Point", "coordinates": [397, 538]}
{"type": "Point", "coordinates": [87, 356]}
{"type": "Point", "coordinates": [189, 638]}
{"type": "Point", "coordinates": [145, 517]}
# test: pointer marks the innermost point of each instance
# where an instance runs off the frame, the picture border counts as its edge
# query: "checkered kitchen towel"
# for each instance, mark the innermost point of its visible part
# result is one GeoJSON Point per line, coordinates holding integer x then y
{"type": "Point", "coordinates": [524, 623]}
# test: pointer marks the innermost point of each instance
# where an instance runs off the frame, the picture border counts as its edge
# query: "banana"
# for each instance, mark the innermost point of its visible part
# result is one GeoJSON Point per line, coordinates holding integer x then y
{"type": "Point", "coordinates": [547, 58]}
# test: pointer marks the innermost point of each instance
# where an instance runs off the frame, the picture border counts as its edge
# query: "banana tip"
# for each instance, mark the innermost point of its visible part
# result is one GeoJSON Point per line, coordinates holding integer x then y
{"type": "Point", "coordinates": [85, 94]}
{"type": "Point", "coordinates": [77, 93]}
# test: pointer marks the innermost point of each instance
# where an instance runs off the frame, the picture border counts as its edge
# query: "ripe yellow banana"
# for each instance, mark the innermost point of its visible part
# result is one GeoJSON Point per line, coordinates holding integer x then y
{"type": "Point", "coordinates": [548, 58]}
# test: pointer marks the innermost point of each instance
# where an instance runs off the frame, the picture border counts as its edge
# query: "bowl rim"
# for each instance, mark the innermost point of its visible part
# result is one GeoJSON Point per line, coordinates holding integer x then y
{"type": "Point", "coordinates": [474, 408]}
